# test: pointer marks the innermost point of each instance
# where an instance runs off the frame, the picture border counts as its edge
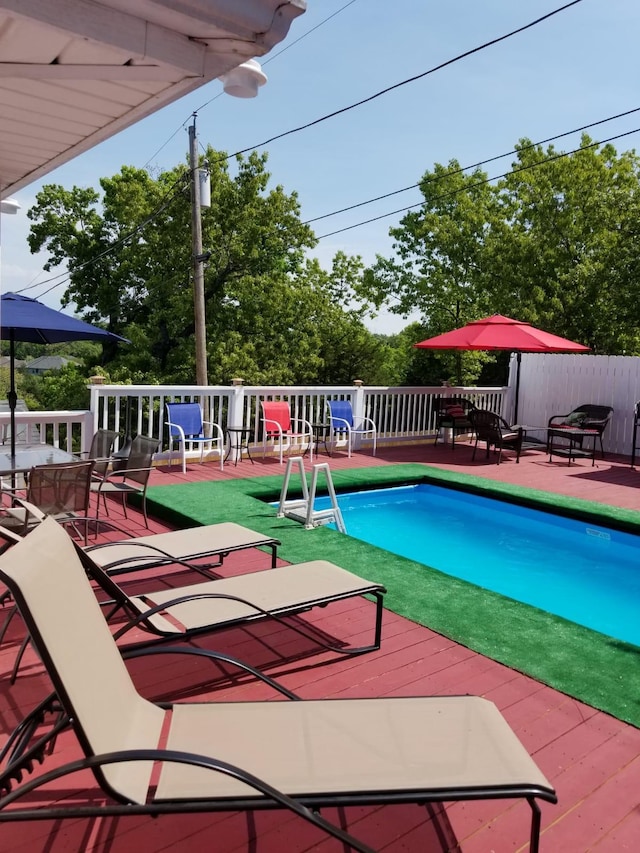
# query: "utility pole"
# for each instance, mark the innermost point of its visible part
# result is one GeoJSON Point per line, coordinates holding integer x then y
{"type": "Point", "coordinates": [241, 82]}
{"type": "Point", "coordinates": [197, 260]}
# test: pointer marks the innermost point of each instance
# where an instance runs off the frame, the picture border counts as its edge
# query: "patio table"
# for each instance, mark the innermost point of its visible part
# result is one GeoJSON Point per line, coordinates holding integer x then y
{"type": "Point", "coordinates": [237, 440]}
{"type": "Point", "coordinates": [28, 455]}
{"type": "Point", "coordinates": [574, 446]}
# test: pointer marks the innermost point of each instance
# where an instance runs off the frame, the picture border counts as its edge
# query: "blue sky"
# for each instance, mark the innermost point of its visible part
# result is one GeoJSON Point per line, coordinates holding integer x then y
{"type": "Point", "coordinates": [575, 68]}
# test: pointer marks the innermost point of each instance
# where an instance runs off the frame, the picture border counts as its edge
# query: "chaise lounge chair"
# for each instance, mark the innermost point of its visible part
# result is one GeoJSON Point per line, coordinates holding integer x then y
{"type": "Point", "coordinates": [154, 758]}
{"type": "Point", "coordinates": [189, 611]}
{"type": "Point", "coordinates": [180, 546]}
{"type": "Point", "coordinates": [186, 612]}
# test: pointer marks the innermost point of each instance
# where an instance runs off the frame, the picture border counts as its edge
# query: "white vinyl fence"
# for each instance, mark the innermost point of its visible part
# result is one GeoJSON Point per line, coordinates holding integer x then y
{"type": "Point", "coordinates": [557, 384]}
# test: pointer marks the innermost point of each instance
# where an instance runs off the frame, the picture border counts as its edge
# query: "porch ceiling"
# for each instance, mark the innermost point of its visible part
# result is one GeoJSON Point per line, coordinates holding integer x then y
{"type": "Point", "coordinates": [75, 72]}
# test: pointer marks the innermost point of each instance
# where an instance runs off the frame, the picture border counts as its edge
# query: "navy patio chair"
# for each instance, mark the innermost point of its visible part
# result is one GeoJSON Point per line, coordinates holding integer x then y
{"type": "Point", "coordinates": [343, 426]}
{"type": "Point", "coordinates": [187, 431]}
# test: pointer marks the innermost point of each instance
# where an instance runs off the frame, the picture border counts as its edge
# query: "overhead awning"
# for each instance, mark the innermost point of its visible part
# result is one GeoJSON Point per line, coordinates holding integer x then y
{"type": "Point", "coordinates": [72, 74]}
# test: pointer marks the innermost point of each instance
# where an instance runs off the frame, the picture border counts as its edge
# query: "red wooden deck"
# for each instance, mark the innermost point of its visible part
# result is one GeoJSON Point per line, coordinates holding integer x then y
{"type": "Point", "coordinates": [591, 758]}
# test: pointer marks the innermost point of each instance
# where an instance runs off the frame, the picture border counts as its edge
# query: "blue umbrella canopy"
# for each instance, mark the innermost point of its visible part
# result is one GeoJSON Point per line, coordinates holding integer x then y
{"type": "Point", "coordinates": [26, 319]}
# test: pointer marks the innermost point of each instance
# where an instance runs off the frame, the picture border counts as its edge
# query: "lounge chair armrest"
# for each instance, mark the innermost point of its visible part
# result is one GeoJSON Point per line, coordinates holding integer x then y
{"type": "Point", "coordinates": [215, 427]}
{"type": "Point", "coordinates": [599, 424]}
{"type": "Point", "coordinates": [274, 428]}
{"type": "Point", "coordinates": [170, 424]}
{"type": "Point", "coordinates": [361, 423]}
{"type": "Point", "coordinates": [212, 655]}
{"type": "Point", "coordinates": [557, 419]}
{"type": "Point", "coordinates": [304, 428]}
{"type": "Point", "coordinates": [152, 756]}
{"type": "Point", "coordinates": [195, 596]}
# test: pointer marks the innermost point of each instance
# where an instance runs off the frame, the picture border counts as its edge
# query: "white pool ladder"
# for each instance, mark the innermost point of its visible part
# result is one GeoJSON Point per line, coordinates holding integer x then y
{"type": "Point", "coordinates": [301, 509]}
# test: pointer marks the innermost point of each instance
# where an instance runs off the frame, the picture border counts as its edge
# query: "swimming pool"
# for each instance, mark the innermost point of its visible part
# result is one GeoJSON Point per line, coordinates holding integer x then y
{"type": "Point", "coordinates": [578, 570]}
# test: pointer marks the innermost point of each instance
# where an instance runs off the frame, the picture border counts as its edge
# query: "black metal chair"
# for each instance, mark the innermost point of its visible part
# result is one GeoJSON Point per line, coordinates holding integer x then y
{"type": "Point", "coordinates": [131, 479]}
{"type": "Point", "coordinates": [101, 449]}
{"type": "Point", "coordinates": [454, 414]}
{"type": "Point", "coordinates": [59, 490]}
{"type": "Point", "coordinates": [496, 432]}
{"type": "Point", "coordinates": [589, 416]}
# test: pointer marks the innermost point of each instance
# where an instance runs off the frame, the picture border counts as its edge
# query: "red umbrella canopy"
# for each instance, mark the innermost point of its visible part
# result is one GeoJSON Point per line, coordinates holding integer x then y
{"type": "Point", "coordinates": [501, 333]}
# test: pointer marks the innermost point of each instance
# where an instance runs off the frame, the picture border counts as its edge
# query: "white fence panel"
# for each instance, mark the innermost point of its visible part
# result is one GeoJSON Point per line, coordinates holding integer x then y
{"type": "Point", "coordinates": [556, 384]}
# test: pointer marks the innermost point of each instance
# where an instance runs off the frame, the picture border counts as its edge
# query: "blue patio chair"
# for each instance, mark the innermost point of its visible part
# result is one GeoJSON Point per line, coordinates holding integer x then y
{"type": "Point", "coordinates": [186, 427]}
{"type": "Point", "coordinates": [343, 426]}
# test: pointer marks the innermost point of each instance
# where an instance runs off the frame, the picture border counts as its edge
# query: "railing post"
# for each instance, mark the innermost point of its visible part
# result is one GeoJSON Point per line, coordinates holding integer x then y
{"type": "Point", "coordinates": [87, 429]}
{"type": "Point", "coordinates": [94, 404]}
{"type": "Point", "coordinates": [235, 417]}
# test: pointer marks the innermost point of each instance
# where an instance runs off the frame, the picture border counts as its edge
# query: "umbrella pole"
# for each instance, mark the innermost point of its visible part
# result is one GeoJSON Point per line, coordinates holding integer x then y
{"type": "Point", "coordinates": [515, 405]}
{"type": "Point", "coordinates": [12, 399]}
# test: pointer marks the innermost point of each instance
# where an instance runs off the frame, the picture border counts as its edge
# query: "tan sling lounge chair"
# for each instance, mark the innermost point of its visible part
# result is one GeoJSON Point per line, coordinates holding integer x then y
{"type": "Point", "coordinates": [181, 546]}
{"type": "Point", "coordinates": [227, 756]}
{"type": "Point", "coordinates": [182, 613]}
{"type": "Point", "coordinates": [188, 611]}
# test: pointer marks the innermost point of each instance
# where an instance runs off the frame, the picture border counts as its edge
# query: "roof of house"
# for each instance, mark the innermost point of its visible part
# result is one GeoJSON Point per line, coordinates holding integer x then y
{"type": "Point", "coordinates": [73, 74]}
{"type": "Point", "coordinates": [49, 362]}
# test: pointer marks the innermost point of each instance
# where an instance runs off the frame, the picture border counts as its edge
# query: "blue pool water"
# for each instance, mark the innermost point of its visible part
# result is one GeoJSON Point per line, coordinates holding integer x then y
{"type": "Point", "coordinates": [585, 573]}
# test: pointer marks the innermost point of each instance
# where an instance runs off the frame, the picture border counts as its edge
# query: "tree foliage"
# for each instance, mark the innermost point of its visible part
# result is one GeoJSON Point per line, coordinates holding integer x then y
{"type": "Point", "coordinates": [553, 243]}
{"type": "Point", "coordinates": [272, 316]}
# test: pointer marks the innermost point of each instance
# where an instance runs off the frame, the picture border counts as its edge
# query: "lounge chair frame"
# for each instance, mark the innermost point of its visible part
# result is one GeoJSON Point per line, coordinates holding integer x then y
{"type": "Point", "coordinates": [185, 546]}
{"type": "Point", "coordinates": [184, 612]}
{"type": "Point", "coordinates": [410, 762]}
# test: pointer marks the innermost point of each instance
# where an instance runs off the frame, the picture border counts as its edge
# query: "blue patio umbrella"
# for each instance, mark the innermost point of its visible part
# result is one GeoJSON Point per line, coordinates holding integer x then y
{"type": "Point", "coordinates": [26, 319]}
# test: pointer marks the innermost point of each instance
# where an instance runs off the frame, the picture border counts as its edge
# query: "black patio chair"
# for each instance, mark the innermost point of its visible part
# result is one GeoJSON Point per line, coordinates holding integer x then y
{"type": "Point", "coordinates": [586, 417]}
{"type": "Point", "coordinates": [131, 479]}
{"type": "Point", "coordinates": [454, 414]}
{"type": "Point", "coordinates": [496, 432]}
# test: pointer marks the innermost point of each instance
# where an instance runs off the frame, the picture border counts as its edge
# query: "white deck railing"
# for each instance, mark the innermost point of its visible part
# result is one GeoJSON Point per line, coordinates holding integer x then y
{"type": "Point", "coordinates": [71, 431]}
{"type": "Point", "coordinates": [401, 413]}
{"type": "Point", "coordinates": [550, 384]}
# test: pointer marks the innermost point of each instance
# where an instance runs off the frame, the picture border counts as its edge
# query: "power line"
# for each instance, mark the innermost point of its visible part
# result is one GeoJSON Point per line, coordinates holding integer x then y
{"type": "Point", "coordinates": [266, 62]}
{"type": "Point", "coordinates": [480, 183]}
{"type": "Point", "coordinates": [164, 203]}
{"type": "Point", "coordinates": [373, 97]}
{"type": "Point", "coordinates": [473, 166]}
{"type": "Point", "coordinates": [409, 79]}
{"type": "Point", "coordinates": [173, 191]}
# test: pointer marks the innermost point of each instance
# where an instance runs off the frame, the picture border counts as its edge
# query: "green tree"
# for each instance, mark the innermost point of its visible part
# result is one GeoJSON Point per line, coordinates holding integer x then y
{"type": "Point", "coordinates": [553, 243]}
{"type": "Point", "coordinates": [272, 315]}
{"type": "Point", "coordinates": [560, 255]}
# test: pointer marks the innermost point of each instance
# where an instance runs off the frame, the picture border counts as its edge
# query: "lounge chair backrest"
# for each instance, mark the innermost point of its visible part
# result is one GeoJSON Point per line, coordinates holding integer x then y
{"type": "Point", "coordinates": [186, 415]}
{"type": "Point", "coordinates": [341, 409]}
{"type": "Point", "coordinates": [71, 636]}
{"type": "Point", "coordinates": [278, 411]}
{"type": "Point", "coordinates": [595, 416]}
{"type": "Point", "coordinates": [141, 457]}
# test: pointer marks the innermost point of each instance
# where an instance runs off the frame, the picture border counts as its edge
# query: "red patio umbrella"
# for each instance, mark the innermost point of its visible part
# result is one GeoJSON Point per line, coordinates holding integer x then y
{"type": "Point", "coordinates": [502, 333]}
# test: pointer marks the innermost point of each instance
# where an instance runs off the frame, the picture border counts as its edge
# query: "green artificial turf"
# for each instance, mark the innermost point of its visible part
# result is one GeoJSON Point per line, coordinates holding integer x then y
{"type": "Point", "coordinates": [590, 666]}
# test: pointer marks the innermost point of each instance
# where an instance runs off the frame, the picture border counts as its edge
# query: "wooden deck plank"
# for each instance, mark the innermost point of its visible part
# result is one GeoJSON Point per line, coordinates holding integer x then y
{"type": "Point", "coordinates": [591, 758]}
